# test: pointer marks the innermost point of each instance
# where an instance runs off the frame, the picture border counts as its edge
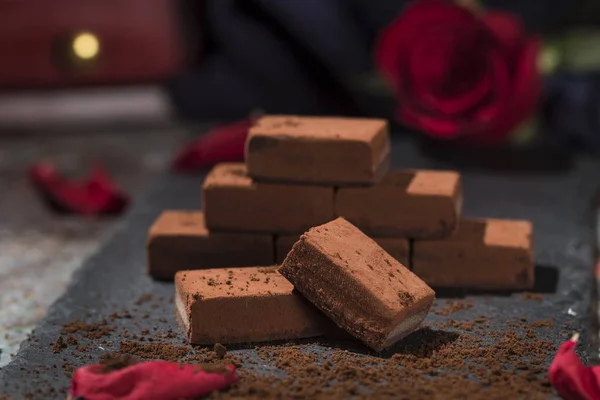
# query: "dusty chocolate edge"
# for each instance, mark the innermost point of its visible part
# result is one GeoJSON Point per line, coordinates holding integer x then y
{"type": "Point", "coordinates": [418, 234]}
{"type": "Point", "coordinates": [258, 143]}
{"type": "Point", "coordinates": [378, 173]}
{"type": "Point", "coordinates": [374, 330]}
{"type": "Point", "coordinates": [333, 184]}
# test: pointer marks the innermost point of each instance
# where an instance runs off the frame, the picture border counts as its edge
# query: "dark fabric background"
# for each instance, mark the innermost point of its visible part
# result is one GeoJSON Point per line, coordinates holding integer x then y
{"type": "Point", "coordinates": [305, 56]}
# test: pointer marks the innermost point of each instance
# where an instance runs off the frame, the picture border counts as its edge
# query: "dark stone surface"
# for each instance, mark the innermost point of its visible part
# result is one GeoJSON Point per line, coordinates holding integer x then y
{"type": "Point", "coordinates": [559, 202]}
{"type": "Point", "coordinates": [39, 249]}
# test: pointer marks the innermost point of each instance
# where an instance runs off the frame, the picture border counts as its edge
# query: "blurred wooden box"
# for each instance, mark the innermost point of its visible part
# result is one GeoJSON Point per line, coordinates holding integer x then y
{"type": "Point", "coordinates": [62, 43]}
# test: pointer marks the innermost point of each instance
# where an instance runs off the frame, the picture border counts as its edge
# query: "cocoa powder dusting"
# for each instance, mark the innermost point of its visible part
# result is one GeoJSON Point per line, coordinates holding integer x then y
{"type": "Point", "coordinates": [220, 350]}
{"type": "Point", "coordinates": [430, 364]}
{"type": "Point", "coordinates": [154, 350]}
{"type": "Point", "coordinates": [451, 359]}
{"type": "Point", "coordinates": [90, 331]}
{"type": "Point", "coordinates": [453, 307]}
{"type": "Point", "coordinates": [532, 296]}
{"type": "Point", "coordinates": [58, 345]}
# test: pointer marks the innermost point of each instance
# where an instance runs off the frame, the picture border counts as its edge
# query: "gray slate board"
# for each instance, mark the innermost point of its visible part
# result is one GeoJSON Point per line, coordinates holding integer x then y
{"type": "Point", "coordinates": [558, 201]}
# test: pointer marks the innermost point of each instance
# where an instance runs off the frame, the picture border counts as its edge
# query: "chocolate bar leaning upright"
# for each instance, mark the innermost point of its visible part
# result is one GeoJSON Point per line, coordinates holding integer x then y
{"type": "Point", "coordinates": [489, 254]}
{"type": "Point", "coordinates": [396, 247]}
{"type": "Point", "coordinates": [318, 150]}
{"type": "Point", "coordinates": [357, 284]}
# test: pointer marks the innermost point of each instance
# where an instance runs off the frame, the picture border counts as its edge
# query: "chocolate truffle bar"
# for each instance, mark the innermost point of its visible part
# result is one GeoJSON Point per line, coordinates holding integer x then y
{"type": "Point", "coordinates": [179, 240]}
{"type": "Point", "coordinates": [482, 254]}
{"type": "Point", "coordinates": [413, 204]}
{"type": "Point", "coordinates": [318, 150]}
{"type": "Point", "coordinates": [233, 202]}
{"type": "Point", "coordinates": [357, 284]}
{"type": "Point", "coordinates": [398, 248]}
{"type": "Point", "coordinates": [252, 304]}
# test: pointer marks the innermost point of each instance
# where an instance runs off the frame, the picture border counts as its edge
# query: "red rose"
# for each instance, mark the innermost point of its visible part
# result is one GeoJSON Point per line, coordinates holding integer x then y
{"type": "Point", "coordinates": [457, 72]}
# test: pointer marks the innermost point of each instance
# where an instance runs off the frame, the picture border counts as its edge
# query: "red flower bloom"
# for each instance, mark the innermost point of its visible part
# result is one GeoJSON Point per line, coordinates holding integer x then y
{"type": "Point", "coordinates": [459, 73]}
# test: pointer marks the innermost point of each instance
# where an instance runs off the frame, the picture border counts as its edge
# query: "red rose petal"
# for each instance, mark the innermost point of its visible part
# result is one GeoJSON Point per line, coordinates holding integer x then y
{"type": "Point", "coordinates": [438, 79]}
{"type": "Point", "coordinates": [508, 31]}
{"type": "Point", "coordinates": [103, 193]}
{"type": "Point", "coordinates": [571, 379]}
{"type": "Point", "coordinates": [523, 96]}
{"type": "Point", "coordinates": [155, 380]}
{"type": "Point", "coordinates": [94, 196]}
{"type": "Point", "coordinates": [221, 144]}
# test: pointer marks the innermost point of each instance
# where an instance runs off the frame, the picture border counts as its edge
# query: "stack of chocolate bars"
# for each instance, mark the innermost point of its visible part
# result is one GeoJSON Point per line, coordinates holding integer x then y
{"type": "Point", "coordinates": [307, 172]}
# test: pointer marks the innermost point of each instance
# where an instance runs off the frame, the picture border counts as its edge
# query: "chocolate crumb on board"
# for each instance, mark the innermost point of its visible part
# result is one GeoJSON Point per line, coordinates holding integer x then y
{"type": "Point", "coordinates": [58, 345]}
{"type": "Point", "coordinates": [89, 330]}
{"type": "Point", "coordinates": [114, 362]}
{"type": "Point", "coordinates": [213, 368]}
{"type": "Point", "coordinates": [154, 350]}
{"type": "Point", "coordinates": [532, 296]}
{"type": "Point", "coordinates": [429, 364]}
{"type": "Point", "coordinates": [542, 324]}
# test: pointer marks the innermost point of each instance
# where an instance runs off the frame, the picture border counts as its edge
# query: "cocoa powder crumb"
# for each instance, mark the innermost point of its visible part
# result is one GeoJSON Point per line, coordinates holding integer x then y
{"type": "Point", "coordinates": [267, 270]}
{"type": "Point", "coordinates": [58, 345]}
{"type": "Point", "coordinates": [220, 350]}
{"type": "Point", "coordinates": [429, 364]}
{"type": "Point", "coordinates": [91, 331]}
{"type": "Point", "coordinates": [542, 324]}
{"type": "Point", "coordinates": [453, 307]}
{"type": "Point", "coordinates": [532, 296]}
{"type": "Point", "coordinates": [406, 299]}
{"type": "Point", "coordinates": [154, 350]}
{"type": "Point", "coordinates": [143, 299]}
{"type": "Point", "coordinates": [213, 368]}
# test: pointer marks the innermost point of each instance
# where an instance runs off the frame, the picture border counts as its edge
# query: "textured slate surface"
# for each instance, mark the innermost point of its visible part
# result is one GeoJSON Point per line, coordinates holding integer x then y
{"type": "Point", "coordinates": [40, 249]}
{"type": "Point", "coordinates": [558, 201]}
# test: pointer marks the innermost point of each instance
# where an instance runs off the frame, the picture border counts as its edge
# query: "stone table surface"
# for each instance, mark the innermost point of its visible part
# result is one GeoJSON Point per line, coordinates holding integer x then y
{"type": "Point", "coordinates": [560, 202]}
{"type": "Point", "coordinates": [39, 249]}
